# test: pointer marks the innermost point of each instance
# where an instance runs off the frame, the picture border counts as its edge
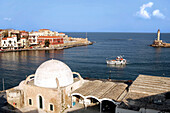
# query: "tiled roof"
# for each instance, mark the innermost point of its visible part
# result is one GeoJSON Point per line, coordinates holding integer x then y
{"type": "Point", "coordinates": [4, 38]}
{"type": "Point", "coordinates": [49, 37]}
{"type": "Point", "coordinates": [61, 33]}
{"type": "Point", "coordinates": [22, 31]}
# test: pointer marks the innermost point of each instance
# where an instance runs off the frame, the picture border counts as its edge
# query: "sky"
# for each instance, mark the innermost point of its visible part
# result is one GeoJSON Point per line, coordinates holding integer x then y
{"type": "Point", "coordinates": [86, 15]}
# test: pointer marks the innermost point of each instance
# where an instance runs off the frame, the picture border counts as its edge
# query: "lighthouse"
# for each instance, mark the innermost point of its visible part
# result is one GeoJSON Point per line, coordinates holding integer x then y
{"type": "Point", "coordinates": [158, 33]}
{"type": "Point", "coordinates": [158, 43]}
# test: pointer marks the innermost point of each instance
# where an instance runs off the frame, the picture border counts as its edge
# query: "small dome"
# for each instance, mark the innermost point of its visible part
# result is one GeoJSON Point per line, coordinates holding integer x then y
{"type": "Point", "coordinates": [47, 72]}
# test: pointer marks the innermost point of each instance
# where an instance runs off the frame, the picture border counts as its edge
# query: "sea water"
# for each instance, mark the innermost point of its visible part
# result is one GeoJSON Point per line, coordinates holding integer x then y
{"type": "Point", "coordinates": [90, 61]}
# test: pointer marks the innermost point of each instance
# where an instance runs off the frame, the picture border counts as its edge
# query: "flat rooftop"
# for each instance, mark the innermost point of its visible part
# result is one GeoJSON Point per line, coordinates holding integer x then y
{"type": "Point", "coordinates": [151, 92]}
{"type": "Point", "coordinates": [102, 89]}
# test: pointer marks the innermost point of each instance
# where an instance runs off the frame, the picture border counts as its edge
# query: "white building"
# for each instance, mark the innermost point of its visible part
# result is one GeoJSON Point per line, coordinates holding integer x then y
{"type": "Point", "coordinates": [47, 32]}
{"type": "Point", "coordinates": [62, 34]}
{"type": "Point", "coordinates": [9, 42]}
{"type": "Point", "coordinates": [22, 42]}
{"type": "Point", "coordinates": [33, 37]}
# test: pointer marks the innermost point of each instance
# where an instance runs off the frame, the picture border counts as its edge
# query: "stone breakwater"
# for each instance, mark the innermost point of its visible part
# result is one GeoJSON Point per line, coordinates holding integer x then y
{"type": "Point", "coordinates": [58, 47]}
{"type": "Point", "coordinates": [166, 45]}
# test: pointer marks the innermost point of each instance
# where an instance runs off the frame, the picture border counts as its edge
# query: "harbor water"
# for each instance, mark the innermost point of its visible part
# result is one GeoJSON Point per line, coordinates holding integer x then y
{"type": "Point", "coordinates": [90, 61]}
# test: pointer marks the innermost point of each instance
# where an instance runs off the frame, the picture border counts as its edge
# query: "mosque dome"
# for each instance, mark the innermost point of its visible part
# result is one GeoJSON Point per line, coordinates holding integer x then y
{"type": "Point", "coordinates": [47, 72]}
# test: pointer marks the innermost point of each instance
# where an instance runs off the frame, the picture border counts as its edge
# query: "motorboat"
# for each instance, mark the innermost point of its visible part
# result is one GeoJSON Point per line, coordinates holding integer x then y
{"type": "Point", "coordinates": [118, 61]}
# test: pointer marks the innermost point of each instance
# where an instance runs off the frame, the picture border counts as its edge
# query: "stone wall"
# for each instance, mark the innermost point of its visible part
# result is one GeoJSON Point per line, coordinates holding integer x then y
{"type": "Point", "coordinates": [15, 98]}
{"type": "Point", "coordinates": [49, 96]}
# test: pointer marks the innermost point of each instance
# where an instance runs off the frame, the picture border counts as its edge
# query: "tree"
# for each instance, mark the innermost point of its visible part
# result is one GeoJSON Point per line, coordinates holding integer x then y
{"type": "Point", "coordinates": [5, 33]}
{"type": "Point", "coordinates": [47, 43]}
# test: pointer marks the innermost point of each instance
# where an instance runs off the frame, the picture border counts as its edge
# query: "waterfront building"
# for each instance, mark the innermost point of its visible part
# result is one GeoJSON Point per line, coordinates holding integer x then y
{"type": "Point", "coordinates": [9, 42]}
{"type": "Point", "coordinates": [33, 40]}
{"type": "Point", "coordinates": [46, 32]}
{"type": "Point", "coordinates": [62, 34]}
{"type": "Point", "coordinates": [24, 34]}
{"type": "Point", "coordinates": [33, 36]}
{"type": "Point", "coordinates": [36, 33]}
{"type": "Point", "coordinates": [22, 42]}
{"type": "Point", "coordinates": [13, 32]}
{"type": "Point", "coordinates": [0, 39]}
{"type": "Point", "coordinates": [53, 40]}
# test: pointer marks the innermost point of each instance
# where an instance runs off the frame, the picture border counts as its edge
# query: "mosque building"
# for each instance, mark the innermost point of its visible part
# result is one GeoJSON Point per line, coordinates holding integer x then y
{"type": "Point", "coordinates": [48, 89]}
{"type": "Point", "coordinates": [53, 89]}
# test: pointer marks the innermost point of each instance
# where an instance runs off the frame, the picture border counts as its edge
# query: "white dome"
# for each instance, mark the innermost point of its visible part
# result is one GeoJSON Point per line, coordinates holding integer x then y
{"type": "Point", "coordinates": [47, 72]}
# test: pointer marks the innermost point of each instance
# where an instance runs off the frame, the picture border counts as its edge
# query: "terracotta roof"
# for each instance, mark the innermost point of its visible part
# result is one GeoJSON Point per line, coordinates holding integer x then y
{"type": "Point", "coordinates": [61, 33]}
{"type": "Point", "coordinates": [49, 37]}
{"type": "Point", "coordinates": [22, 31]}
{"type": "Point", "coordinates": [4, 38]}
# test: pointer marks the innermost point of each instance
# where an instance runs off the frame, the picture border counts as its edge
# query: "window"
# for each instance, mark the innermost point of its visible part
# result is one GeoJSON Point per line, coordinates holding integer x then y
{"type": "Point", "coordinates": [30, 101]}
{"type": "Point", "coordinates": [34, 40]}
{"type": "Point", "coordinates": [10, 41]}
{"type": "Point", "coordinates": [40, 102]}
{"type": "Point", "coordinates": [51, 107]}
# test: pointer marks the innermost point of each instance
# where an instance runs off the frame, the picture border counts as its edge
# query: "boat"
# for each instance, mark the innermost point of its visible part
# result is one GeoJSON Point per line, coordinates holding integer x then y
{"type": "Point", "coordinates": [119, 61]}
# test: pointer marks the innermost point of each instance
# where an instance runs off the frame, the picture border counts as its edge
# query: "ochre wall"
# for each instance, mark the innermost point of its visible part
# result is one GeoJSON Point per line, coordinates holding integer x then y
{"type": "Point", "coordinates": [50, 96]}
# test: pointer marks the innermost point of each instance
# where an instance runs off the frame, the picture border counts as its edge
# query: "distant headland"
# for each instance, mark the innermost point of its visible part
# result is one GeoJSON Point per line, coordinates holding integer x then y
{"type": "Point", "coordinates": [44, 39]}
{"type": "Point", "coordinates": [158, 42]}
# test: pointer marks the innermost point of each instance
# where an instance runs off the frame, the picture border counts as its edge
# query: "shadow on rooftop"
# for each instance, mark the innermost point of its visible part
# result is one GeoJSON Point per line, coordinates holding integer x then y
{"type": "Point", "coordinates": [135, 101]}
